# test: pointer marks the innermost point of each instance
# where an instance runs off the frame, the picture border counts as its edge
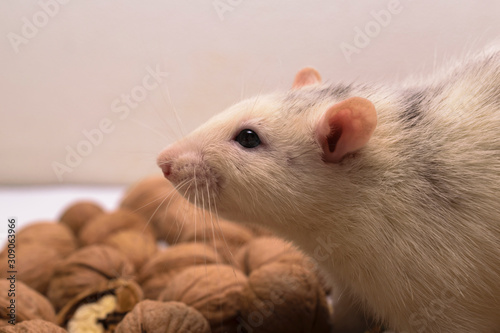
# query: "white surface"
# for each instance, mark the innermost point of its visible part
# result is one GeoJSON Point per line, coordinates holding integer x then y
{"type": "Point", "coordinates": [29, 204]}
{"type": "Point", "coordinates": [63, 79]}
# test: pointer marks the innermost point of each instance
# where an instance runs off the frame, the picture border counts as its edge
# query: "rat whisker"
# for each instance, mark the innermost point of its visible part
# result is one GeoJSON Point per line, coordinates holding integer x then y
{"type": "Point", "coordinates": [167, 207]}
{"type": "Point", "coordinates": [226, 246]}
{"type": "Point", "coordinates": [174, 110]}
{"type": "Point", "coordinates": [212, 223]}
{"type": "Point", "coordinates": [183, 220]}
{"type": "Point", "coordinates": [151, 129]}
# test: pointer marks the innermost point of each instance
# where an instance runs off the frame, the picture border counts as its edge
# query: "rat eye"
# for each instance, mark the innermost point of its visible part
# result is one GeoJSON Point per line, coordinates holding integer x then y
{"type": "Point", "coordinates": [248, 138]}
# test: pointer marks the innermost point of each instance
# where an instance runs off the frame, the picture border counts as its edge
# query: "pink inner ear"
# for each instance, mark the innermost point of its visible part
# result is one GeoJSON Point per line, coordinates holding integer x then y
{"type": "Point", "coordinates": [346, 127]}
{"type": "Point", "coordinates": [306, 76]}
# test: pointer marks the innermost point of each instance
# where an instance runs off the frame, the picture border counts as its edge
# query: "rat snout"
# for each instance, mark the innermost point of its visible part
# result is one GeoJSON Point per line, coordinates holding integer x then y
{"type": "Point", "coordinates": [166, 167]}
{"type": "Point", "coordinates": [165, 161]}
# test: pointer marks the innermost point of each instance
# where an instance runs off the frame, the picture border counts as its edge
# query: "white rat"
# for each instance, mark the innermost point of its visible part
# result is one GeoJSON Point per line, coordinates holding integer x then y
{"type": "Point", "coordinates": [395, 190]}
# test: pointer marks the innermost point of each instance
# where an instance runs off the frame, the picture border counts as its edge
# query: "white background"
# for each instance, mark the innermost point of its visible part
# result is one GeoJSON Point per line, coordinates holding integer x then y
{"type": "Point", "coordinates": [63, 79]}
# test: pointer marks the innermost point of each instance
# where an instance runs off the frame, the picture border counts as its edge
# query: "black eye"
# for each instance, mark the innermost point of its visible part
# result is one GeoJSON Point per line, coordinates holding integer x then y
{"type": "Point", "coordinates": [248, 138]}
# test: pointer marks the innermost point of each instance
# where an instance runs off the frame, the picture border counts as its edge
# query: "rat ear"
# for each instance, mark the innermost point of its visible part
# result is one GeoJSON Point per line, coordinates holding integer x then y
{"type": "Point", "coordinates": [305, 77]}
{"type": "Point", "coordinates": [346, 127]}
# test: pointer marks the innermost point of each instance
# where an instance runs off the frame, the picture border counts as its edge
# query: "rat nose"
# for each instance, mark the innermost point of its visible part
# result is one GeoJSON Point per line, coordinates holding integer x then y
{"type": "Point", "coordinates": [166, 167]}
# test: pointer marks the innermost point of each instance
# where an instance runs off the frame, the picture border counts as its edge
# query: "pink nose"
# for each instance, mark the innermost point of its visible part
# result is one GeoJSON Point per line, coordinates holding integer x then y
{"type": "Point", "coordinates": [166, 167]}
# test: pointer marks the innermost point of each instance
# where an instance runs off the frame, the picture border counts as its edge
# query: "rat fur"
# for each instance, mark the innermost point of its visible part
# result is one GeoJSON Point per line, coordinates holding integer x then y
{"type": "Point", "coordinates": [411, 219]}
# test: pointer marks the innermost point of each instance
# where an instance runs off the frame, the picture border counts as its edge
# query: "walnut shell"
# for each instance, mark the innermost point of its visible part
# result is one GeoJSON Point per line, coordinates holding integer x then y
{"type": "Point", "coordinates": [102, 226]}
{"type": "Point", "coordinates": [85, 268]}
{"type": "Point", "coordinates": [49, 234]}
{"type": "Point", "coordinates": [151, 198]}
{"type": "Point", "coordinates": [214, 290]}
{"type": "Point", "coordinates": [168, 317]}
{"type": "Point", "coordinates": [227, 237]}
{"type": "Point", "coordinates": [29, 304]}
{"type": "Point", "coordinates": [33, 326]}
{"type": "Point", "coordinates": [79, 213]}
{"type": "Point", "coordinates": [259, 230]}
{"type": "Point", "coordinates": [283, 297]}
{"type": "Point", "coordinates": [101, 306]}
{"type": "Point", "coordinates": [35, 265]}
{"type": "Point", "coordinates": [160, 269]}
{"type": "Point", "coordinates": [264, 250]}
{"type": "Point", "coordinates": [137, 247]}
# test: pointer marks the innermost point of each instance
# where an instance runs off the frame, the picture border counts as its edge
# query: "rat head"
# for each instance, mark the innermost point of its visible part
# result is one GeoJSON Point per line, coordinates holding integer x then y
{"type": "Point", "coordinates": [273, 158]}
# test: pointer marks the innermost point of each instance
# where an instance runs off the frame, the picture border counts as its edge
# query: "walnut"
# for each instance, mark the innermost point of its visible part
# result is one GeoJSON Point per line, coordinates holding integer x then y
{"type": "Point", "coordinates": [85, 268]}
{"type": "Point", "coordinates": [214, 290]}
{"type": "Point", "coordinates": [264, 250]}
{"type": "Point", "coordinates": [152, 197]}
{"type": "Point", "coordinates": [283, 297]}
{"type": "Point", "coordinates": [79, 213]}
{"type": "Point", "coordinates": [137, 247]}
{"type": "Point", "coordinates": [259, 230]}
{"type": "Point", "coordinates": [100, 308]}
{"type": "Point", "coordinates": [33, 326]}
{"type": "Point", "coordinates": [29, 304]}
{"type": "Point", "coordinates": [102, 226]}
{"type": "Point", "coordinates": [35, 265]}
{"type": "Point", "coordinates": [168, 317]}
{"type": "Point", "coordinates": [49, 234]}
{"type": "Point", "coordinates": [226, 237]}
{"type": "Point", "coordinates": [158, 271]}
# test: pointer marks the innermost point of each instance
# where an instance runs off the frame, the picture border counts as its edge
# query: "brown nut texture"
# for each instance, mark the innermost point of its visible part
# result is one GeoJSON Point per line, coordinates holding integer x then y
{"type": "Point", "coordinates": [163, 317]}
{"type": "Point", "coordinates": [85, 268]}
{"type": "Point", "coordinates": [261, 251]}
{"type": "Point", "coordinates": [104, 225]}
{"type": "Point", "coordinates": [152, 198]}
{"type": "Point", "coordinates": [101, 307]}
{"type": "Point", "coordinates": [29, 303]}
{"type": "Point", "coordinates": [79, 213]}
{"type": "Point", "coordinates": [33, 326]}
{"type": "Point", "coordinates": [35, 264]}
{"type": "Point", "coordinates": [137, 247]}
{"type": "Point", "coordinates": [260, 231]}
{"type": "Point", "coordinates": [49, 234]}
{"type": "Point", "coordinates": [160, 269]}
{"type": "Point", "coordinates": [214, 290]}
{"type": "Point", "coordinates": [283, 297]}
{"type": "Point", "coordinates": [227, 237]}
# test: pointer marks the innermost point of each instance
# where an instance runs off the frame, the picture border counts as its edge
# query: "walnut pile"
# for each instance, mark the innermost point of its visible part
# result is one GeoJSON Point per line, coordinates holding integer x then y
{"type": "Point", "coordinates": [109, 271]}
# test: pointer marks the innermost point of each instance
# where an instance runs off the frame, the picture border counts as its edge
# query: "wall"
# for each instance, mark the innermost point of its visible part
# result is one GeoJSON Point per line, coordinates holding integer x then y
{"type": "Point", "coordinates": [68, 69]}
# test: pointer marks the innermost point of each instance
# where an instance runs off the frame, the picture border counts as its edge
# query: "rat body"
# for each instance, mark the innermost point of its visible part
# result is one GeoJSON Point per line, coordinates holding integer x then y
{"type": "Point", "coordinates": [395, 191]}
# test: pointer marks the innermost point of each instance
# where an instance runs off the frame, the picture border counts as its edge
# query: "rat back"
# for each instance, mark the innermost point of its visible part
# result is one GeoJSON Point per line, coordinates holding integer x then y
{"type": "Point", "coordinates": [424, 244]}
